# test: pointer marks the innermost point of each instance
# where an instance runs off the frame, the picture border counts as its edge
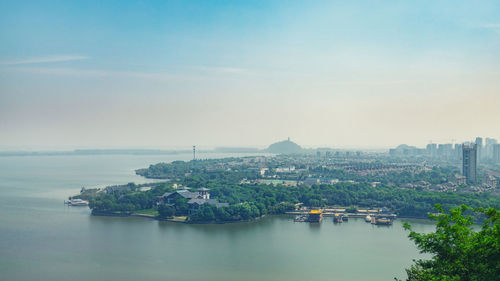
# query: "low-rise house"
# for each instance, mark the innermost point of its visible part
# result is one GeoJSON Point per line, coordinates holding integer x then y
{"type": "Point", "coordinates": [196, 203]}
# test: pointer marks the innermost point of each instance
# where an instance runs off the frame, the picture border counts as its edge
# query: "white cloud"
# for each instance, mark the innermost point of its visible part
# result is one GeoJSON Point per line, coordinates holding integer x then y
{"type": "Point", "coordinates": [220, 69]}
{"type": "Point", "coordinates": [77, 72]}
{"type": "Point", "coordinates": [495, 27]}
{"type": "Point", "coordinates": [48, 59]}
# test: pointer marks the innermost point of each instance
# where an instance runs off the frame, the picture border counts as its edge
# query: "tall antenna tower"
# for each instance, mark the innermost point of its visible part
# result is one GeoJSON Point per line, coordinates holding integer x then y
{"type": "Point", "coordinates": [194, 152]}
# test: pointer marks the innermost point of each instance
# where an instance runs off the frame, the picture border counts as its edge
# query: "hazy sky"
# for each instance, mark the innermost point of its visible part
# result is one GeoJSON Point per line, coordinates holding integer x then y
{"type": "Point", "coordinates": [241, 73]}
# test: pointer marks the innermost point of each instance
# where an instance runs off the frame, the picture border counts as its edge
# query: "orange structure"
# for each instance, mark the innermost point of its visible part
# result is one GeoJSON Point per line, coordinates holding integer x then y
{"type": "Point", "coordinates": [315, 216]}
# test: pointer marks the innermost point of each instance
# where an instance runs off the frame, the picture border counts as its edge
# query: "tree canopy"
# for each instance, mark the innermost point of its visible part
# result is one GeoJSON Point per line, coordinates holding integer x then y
{"type": "Point", "coordinates": [459, 252]}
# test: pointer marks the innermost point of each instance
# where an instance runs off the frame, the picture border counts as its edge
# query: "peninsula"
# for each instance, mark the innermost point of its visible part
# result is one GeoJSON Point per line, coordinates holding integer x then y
{"type": "Point", "coordinates": [245, 188]}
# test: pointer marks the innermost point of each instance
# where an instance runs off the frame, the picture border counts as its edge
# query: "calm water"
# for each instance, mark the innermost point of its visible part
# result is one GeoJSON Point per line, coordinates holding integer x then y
{"type": "Point", "coordinates": [41, 239]}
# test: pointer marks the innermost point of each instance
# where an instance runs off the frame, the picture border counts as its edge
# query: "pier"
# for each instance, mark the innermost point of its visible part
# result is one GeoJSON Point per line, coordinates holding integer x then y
{"type": "Point", "coordinates": [331, 212]}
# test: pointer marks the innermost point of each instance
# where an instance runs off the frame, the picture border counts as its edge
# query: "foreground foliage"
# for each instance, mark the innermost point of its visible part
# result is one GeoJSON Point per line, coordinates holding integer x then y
{"type": "Point", "coordinates": [459, 253]}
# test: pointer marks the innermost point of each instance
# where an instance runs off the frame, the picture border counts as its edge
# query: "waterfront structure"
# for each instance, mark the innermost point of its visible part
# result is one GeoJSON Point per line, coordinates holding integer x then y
{"type": "Point", "coordinates": [76, 202]}
{"type": "Point", "coordinates": [469, 163]}
{"type": "Point", "coordinates": [315, 216]}
{"type": "Point", "coordinates": [381, 220]}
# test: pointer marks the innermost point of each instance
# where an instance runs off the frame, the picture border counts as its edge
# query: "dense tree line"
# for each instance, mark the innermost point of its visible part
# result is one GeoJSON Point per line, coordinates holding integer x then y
{"type": "Point", "coordinates": [126, 202]}
{"type": "Point", "coordinates": [253, 200]}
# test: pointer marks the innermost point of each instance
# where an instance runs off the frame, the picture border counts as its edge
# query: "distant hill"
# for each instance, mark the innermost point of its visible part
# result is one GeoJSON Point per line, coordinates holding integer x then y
{"type": "Point", "coordinates": [284, 147]}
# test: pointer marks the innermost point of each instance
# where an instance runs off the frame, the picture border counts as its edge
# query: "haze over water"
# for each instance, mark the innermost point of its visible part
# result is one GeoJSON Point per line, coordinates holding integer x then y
{"type": "Point", "coordinates": [42, 239]}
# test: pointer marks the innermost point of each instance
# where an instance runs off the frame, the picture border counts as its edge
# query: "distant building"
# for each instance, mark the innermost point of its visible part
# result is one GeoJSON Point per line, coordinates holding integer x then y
{"type": "Point", "coordinates": [431, 149]}
{"type": "Point", "coordinates": [285, 169]}
{"type": "Point", "coordinates": [458, 151]}
{"type": "Point", "coordinates": [445, 150]}
{"type": "Point", "coordinates": [461, 180]}
{"type": "Point", "coordinates": [312, 181]}
{"type": "Point", "coordinates": [496, 153]}
{"type": "Point", "coordinates": [491, 181]}
{"type": "Point", "coordinates": [263, 171]}
{"type": "Point", "coordinates": [469, 163]}
{"type": "Point", "coordinates": [489, 148]}
{"type": "Point", "coordinates": [479, 144]}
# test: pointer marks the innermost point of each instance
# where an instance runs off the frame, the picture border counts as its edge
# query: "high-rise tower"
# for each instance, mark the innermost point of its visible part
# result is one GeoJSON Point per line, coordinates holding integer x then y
{"type": "Point", "coordinates": [479, 144]}
{"type": "Point", "coordinates": [469, 163]}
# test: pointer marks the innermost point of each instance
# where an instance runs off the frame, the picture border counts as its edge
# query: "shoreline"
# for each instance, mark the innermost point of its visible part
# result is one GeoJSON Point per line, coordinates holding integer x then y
{"type": "Point", "coordinates": [215, 222]}
{"type": "Point", "coordinates": [103, 214]}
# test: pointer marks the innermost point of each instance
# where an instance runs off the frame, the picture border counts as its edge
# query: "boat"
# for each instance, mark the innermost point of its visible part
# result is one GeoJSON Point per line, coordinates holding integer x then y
{"type": "Point", "coordinates": [383, 221]}
{"type": "Point", "coordinates": [338, 218]}
{"type": "Point", "coordinates": [368, 218]}
{"type": "Point", "coordinates": [301, 218]}
{"type": "Point", "coordinates": [345, 218]}
{"type": "Point", "coordinates": [315, 216]}
{"type": "Point", "coordinates": [76, 202]}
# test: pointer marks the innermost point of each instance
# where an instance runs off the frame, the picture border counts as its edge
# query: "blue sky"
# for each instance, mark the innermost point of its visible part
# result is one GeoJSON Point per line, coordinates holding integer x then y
{"type": "Point", "coordinates": [176, 73]}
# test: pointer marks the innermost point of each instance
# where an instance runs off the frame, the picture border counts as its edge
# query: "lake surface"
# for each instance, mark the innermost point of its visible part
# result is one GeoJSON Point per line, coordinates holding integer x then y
{"type": "Point", "coordinates": [42, 239]}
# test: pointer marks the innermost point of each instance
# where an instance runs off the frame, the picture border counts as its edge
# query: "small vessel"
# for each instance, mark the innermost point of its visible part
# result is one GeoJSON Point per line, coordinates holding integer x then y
{"type": "Point", "coordinates": [76, 202]}
{"type": "Point", "coordinates": [383, 221]}
{"type": "Point", "coordinates": [345, 218]}
{"type": "Point", "coordinates": [338, 218]}
{"type": "Point", "coordinates": [368, 218]}
{"type": "Point", "coordinates": [301, 218]}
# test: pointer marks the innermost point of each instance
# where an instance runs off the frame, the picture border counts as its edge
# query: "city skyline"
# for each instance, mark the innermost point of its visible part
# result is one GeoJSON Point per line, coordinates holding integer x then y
{"type": "Point", "coordinates": [159, 74]}
{"type": "Point", "coordinates": [431, 148]}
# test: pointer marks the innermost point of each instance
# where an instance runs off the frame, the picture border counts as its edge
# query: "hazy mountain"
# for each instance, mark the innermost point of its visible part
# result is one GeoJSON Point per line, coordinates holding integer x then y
{"type": "Point", "coordinates": [284, 147]}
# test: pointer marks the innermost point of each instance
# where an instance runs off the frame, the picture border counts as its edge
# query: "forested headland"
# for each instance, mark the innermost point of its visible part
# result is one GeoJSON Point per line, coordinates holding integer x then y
{"type": "Point", "coordinates": [251, 200]}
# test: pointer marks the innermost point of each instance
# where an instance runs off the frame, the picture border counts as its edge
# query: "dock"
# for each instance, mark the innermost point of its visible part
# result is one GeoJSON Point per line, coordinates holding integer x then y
{"type": "Point", "coordinates": [332, 212]}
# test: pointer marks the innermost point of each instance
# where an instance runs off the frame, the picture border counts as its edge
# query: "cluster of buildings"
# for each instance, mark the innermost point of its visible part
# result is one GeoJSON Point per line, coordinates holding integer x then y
{"type": "Point", "coordinates": [468, 154]}
{"type": "Point", "coordinates": [488, 150]}
{"type": "Point", "coordinates": [194, 199]}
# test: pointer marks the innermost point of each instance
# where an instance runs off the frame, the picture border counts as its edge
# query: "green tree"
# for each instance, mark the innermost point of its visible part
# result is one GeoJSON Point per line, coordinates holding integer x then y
{"type": "Point", "coordinates": [166, 211]}
{"type": "Point", "coordinates": [459, 253]}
